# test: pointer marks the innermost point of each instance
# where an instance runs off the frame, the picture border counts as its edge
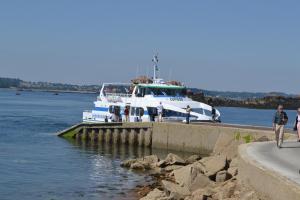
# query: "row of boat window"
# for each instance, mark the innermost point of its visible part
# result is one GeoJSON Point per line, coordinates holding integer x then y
{"type": "Point", "coordinates": [134, 111]}
{"type": "Point", "coordinates": [142, 91]}
{"type": "Point", "coordinates": [139, 111]}
{"type": "Point", "coordinates": [117, 89]}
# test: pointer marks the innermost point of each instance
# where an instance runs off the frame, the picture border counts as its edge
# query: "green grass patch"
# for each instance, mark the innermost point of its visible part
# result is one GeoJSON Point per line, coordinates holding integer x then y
{"type": "Point", "coordinates": [237, 135]}
{"type": "Point", "coordinates": [248, 138]}
{"type": "Point", "coordinates": [70, 134]}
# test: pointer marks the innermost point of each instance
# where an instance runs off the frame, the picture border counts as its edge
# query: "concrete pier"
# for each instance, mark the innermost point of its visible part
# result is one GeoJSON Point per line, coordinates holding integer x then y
{"type": "Point", "coordinates": [201, 138]}
{"type": "Point", "coordinates": [137, 134]}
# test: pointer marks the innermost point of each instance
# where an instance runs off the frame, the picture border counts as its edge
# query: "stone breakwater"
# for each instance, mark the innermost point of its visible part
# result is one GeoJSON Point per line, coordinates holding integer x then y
{"type": "Point", "coordinates": [209, 178]}
{"type": "Point", "coordinates": [198, 138]}
{"type": "Point", "coordinates": [213, 177]}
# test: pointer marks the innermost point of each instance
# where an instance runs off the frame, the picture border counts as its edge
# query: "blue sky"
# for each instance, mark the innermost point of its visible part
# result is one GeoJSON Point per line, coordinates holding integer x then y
{"type": "Point", "coordinates": [221, 45]}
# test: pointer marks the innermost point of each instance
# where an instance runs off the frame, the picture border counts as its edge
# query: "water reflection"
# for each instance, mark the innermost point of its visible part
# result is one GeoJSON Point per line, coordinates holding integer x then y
{"type": "Point", "coordinates": [110, 181]}
{"type": "Point", "coordinates": [122, 151]}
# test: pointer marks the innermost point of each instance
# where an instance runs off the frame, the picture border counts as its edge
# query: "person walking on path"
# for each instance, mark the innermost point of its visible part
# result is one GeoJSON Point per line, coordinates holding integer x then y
{"type": "Point", "coordinates": [126, 113]}
{"type": "Point", "coordinates": [160, 109]}
{"type": "Point", "coordinates": [188, 114]}
{"type": "Point", "coordinates": [279, 120]}
{"type": "Point", "coordinates": [297, 124]}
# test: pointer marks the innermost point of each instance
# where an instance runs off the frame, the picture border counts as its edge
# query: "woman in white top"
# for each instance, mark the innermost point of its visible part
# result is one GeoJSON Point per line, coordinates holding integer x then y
{"type": "Point", "coordinates": [160, 110]}
{"type": "Point", "coordinates": [297, 124]}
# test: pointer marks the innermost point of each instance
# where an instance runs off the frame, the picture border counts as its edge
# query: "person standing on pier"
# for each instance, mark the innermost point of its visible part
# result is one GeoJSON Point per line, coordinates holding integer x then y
{"type": "Point", "coordinates": [160, 110]}
{"type": "Point", "coordinates": [188, 114]}
{"type": "Point", "coordinates": [297, 124]}
{"type": "Point", "coordinates": [213, 113]}
{"type": "Point", "coordinates": [126, 113]}
{"type": "Point", "coordinates": [279, 120]}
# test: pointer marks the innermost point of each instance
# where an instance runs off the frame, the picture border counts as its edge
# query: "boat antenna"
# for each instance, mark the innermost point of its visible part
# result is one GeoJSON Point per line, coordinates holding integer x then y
{"type": "Point", "coordinates": [155, 67]}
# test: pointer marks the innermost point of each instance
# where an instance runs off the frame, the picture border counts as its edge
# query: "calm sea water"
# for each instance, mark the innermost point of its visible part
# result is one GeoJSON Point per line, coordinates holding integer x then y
{"type": "Point", "coordinates": [257, 117]}
{"type": "Point", "coordinates": [36, 164]}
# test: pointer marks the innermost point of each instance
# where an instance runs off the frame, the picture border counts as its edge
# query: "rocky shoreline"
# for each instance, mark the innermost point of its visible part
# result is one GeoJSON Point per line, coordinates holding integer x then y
{"type": "Point", "coordinates": [210, 178]}
{"type": "Point", "coordinates": [267, 102]}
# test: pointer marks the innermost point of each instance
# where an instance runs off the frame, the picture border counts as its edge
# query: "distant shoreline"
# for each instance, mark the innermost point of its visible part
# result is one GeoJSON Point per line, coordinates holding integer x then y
{"type": "Point", "coordinates": [216, 98]}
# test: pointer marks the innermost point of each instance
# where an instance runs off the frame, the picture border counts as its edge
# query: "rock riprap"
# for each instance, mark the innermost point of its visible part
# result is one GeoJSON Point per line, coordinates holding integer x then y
{"type": "Point", "coordinates": [196, 178]}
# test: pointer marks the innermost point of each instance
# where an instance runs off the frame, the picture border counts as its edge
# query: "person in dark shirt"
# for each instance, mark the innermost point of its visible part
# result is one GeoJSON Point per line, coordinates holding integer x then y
{"type": "Point", "coordinates": [213, 113]}
{"type": "Point", "coordinates": [279, 120]}
{"type": "Point", "coordinates": [188, 114]}
{"type": "Point", "coordinates": [126, 113]}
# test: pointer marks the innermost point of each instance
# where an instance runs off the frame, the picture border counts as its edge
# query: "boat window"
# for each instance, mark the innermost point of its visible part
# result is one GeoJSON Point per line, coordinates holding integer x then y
{"type": "Point", "coordinates": [165, 92]}
{"type": "Point", "coordinates": [152, 111]}
{"type": "Point", "coordinates": [140, 92]}
{"type": "Point", "coordinates": [207, 112]}
{"type": "Point", "coordinates": [120, 89]}
{"type": "Point", "coordinates": [114, 109]}
{"type": "Point", "coordinates": [111, 109]}
{"type": "Point", "coordinates": [137, 111]}
{"type": "Point", "coordinates": [132, 111]}
{"type": "Point", "coordinates": [172, 113]}
{"type": "Point", "coordinates": [198, 110]}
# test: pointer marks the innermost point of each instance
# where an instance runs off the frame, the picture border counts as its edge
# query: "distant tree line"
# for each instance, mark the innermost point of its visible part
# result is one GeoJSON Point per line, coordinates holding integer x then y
{"type": "Point", "coordinates": [9, 82]}
{"type": "Point", "coordinates": [216, 98]}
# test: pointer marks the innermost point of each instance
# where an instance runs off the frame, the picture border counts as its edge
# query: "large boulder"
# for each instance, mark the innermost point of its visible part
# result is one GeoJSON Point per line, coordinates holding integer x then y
{"type": "Point", "coordinates": [200, 181]}
{"type": "Point", "coordinates": [150, 159]}
{"type": "Point", "coordinates": [147, 162]}
{"type": "Point", "coordinates": [225, 191]}
{"type": "Point", "coordinates": [202, 194]}
{"type": "Point", "coordinates": [233, 171]}
{"type": "Point", "coordinates": [191, 177]}
{"type": "Point", "coordinates": [234, 162]}
{"type": "Point", "coordinates": [155, 194]}
{"type": "Point", "coordinates": [137, 166]}
{"type": "Point", "coordinates": [172, 168]}
{"type": "Point", "coordinates": [175, 191]}
{"type": "Point", "coordinates": [212, 165]}
{"type": "Point", "coordinates": [128, 163]}
{"type": "Point", "coordinates": [192, 159]}
{"type": "Point", "coordinates": [161, 163]}
{"type": "Point", "coordinates": [173, 159]}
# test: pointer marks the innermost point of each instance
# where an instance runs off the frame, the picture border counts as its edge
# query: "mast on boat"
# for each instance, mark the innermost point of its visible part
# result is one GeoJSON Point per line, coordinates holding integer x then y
{"type": "Point", "coordinates": [156, 69]}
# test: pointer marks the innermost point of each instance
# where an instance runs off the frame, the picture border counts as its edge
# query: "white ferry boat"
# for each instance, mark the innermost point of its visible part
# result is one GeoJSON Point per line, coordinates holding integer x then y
{"type": "Point", "coordinates": [142, 101]}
